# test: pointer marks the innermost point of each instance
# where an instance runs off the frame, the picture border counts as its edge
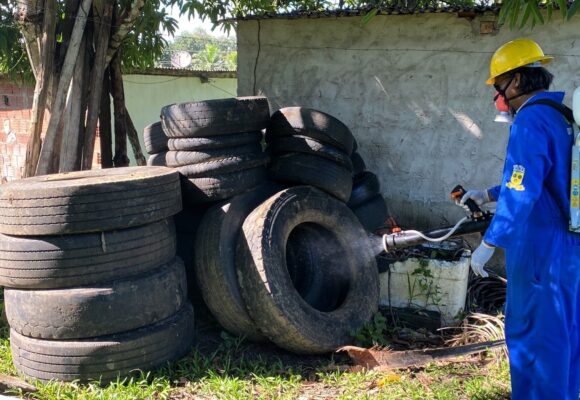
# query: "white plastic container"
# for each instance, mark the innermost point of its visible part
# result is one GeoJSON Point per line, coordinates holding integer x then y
{"type": "Point", "coordinates": [430, 284]}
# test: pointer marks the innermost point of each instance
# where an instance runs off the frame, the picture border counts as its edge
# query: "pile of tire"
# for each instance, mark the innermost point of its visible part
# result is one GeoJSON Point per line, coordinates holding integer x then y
{"type": "Point", "coordinates": [291, 266]}
{"type": "Point", "coordinates": [93, 289]}
{"type": "Point", "coordinates": [366, 199]}
{"type": "Point", "coordinates": [155, 141]}
{"type": "Point", "coordinates": [216, 146]}
{"type": "Point", "coordinates": [311, 147]}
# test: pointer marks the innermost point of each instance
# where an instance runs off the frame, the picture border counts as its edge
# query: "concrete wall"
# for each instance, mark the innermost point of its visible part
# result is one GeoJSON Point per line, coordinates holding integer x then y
{"type": "Point", "coordinates": [412, 90]}
{"type": "Point", "coordinates": [147, 94]}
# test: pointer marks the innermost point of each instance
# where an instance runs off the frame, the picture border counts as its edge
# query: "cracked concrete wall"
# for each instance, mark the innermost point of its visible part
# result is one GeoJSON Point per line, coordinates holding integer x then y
{"type": "Point", "coordinates": [411, 88]}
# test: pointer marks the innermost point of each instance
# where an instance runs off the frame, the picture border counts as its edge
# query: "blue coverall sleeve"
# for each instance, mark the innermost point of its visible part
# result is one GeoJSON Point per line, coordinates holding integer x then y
{"type": "Point", "coordinates": [494, 192]}
{"type": "Point", "coordinates": [526, 167]}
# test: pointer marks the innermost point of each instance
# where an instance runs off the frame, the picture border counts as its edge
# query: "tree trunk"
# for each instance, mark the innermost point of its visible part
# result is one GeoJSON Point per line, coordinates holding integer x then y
{"type": "Point", "coordinates": [43, 78]}
{"type": "Point", "coordinates": [125, 23]}
{"type": "Point", "coordinates": [134, 139]}
{"type": "Point", "coordinates": [97, 74]}
{"type": "Point", "coordinates": [69, 157]}
{"type": "Point", "coordinates": [26, 15]}
{"type": "Point", "coordinates": [105, 131]}
{"type": "Point", "coordinates": [120, 159]}
{"type": "Point", "coordinates": [48, 147]}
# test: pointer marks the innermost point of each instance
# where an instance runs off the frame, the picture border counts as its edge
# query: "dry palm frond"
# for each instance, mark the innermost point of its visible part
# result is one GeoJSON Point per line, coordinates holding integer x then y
{"type": "Point", "coordinates": [477, 328]}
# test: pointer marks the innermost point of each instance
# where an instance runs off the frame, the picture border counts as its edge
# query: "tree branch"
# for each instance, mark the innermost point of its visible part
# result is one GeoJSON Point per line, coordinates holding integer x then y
{"type": "Point", "coordinates": [97, 74]}
{"type": "Point", "coordinates": [43, 79]}
{"type": "Point", "coordinates": [48, 147]}
{"type": "Point", "coordinates": [126, 22]}
{"type": "Point", "coordinates": [29, 17]}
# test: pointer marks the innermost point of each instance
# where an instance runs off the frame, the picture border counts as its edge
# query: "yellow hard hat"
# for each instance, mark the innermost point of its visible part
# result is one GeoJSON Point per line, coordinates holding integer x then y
{"type": "Point", "coordinates": [515, 54]}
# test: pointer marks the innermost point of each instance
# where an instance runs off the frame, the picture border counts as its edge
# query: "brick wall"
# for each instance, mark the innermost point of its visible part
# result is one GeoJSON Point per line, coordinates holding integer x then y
{"type": "Point", "coordinates": [15, 110]}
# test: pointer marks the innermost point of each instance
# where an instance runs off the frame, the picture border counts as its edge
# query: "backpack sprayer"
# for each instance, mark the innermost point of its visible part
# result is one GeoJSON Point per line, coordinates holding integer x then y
{"type": "Point", "coordinates": [477, 221]}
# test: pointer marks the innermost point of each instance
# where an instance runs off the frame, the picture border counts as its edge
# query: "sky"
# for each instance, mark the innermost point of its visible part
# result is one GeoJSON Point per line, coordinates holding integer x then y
{"type": "Point", "coordinates": [189, 25]}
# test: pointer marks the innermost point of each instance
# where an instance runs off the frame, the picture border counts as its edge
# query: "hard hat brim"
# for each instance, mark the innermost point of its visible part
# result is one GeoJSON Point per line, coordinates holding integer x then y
{"type": "Point", "coordinates": [543, 60]}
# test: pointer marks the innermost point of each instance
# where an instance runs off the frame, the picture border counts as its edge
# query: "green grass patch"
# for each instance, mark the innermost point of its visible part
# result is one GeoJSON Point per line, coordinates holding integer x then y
{"type": "Point", "coordinates": [222, 367]}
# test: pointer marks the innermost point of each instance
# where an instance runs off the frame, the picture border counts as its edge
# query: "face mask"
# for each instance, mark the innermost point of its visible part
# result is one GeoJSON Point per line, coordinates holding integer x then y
{"type": "Point", "coordinates": [503, 108]}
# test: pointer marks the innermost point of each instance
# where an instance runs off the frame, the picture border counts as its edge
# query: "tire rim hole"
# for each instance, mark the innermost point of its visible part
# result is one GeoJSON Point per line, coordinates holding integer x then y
{"type": "Point", "coordinates": [318, 266]}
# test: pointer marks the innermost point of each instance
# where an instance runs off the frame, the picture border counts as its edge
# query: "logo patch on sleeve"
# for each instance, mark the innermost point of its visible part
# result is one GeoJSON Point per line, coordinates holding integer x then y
{"type": "Point", "coordinates": [517, 178]}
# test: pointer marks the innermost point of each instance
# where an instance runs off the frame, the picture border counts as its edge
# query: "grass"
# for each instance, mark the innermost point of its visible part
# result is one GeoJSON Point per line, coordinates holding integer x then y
{"type": "Point", "coordinates": [222, 367]}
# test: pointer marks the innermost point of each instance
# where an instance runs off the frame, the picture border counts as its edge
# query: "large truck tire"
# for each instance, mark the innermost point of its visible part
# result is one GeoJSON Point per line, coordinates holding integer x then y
{"type": "Point", "coordinates": [105, 357]}
{"type": "Point", "coordinates": [308, 169]}
{"type": "Point", "coordinates": [315, 124]}
{"type": "Point", "coordinates": [89, 201]}
{"type": "Point", "coordinates": [215, 261]}
{"type": "Point", "coordinates": [182, 158]}
{"type": "Point", "coordinates": [373, 213]}
{"type": "Point", "coordinates": [214, 142]}
{"type": "Point", "coordinates": [55, 262]}
{"type": "Point", "coordinates": [304, 144]}
{"type": "Point", "coordinates": [155, 139]}
{"type": "Point", "coordinates": [215, 117]}
{"type": "Point", "coordinates": [157, 160]}
{"type": "Point", "coordinates": [98, 310]}
{"type": "Point", "coordinates": [221, 186]}
{"type": "Point", "coordinates": [358, 164]}
{"type": "Point", "coordinates": [271, 295]}
{"type": "Point", "coordinates": [364, 187]}
{"type": "Point", "coordinates": [224, 165]}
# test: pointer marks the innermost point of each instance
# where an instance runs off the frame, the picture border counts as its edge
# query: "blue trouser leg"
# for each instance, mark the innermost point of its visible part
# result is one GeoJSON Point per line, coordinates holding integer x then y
{"type": "Point", "coordinates": [542, 319]}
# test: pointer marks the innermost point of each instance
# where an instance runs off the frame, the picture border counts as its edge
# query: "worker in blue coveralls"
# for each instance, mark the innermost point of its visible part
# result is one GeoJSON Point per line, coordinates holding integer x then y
{"type": "Point", "coordinates": [542, 321]}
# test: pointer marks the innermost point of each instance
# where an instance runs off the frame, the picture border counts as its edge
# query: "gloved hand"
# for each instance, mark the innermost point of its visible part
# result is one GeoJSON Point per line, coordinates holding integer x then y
{"type": "Point", "coordinates": [480, 197]}
{"type": "Point", "coordinates": [480, 257]}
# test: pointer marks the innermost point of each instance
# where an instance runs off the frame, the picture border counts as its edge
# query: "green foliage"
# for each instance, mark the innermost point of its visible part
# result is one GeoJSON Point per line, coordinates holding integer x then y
{"type": "Point", "coordinates": [422, 287]}
{"type": "Point", "coordinates": [13, 60]}
{"type": "Point", "coordinates": [145, 43]}
{"type": "Point", "coordinates": [208, 52]}
{"type": "Point", "coordinates": [524, 13]}
{"type": "Point", "coordinates": [374, 332]}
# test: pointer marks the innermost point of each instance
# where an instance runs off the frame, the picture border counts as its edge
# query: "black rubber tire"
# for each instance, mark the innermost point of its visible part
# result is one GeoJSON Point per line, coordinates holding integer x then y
{"type": "Point", "coordinates": [214, 142]}
{"type": "Point", "coordinates": [365, 186]}
{"type": "Point", "coordinates": [89, 201]}
{"type": "Point", "coordinates": [183, 158]}
{"type": "Point", "coordinates": [157, 160]}
{"type": "Point", "coordinates": [188, 219]}
{"type": "Point", "coordinates": [318, 278]}
{"type": "Point", "coordinates": [54, 262]}
{"type": "Point", "coordinates": [224, 166]}
{"type": "Point", "coordinates": [354, 145]}
{"type": "Point", "coordinates": [373, 213]}
{"type": "Point", "coordinates": [104, 357]}
{"type": "Point", "coordinates": [358, 164]}
{"type": "Point", "coordinates": [155, 139]}
{"type": "Point", "coordinates": [272, 300]}
{"type": "Point", "coordinates": [215, 188]}
{"type": "Point", "coordinates": [315, 124]}
{"type": "Point", "coordinates": [308, 169]}
{"type": "Point", "coordinates": [215, 117]}
{"type": "Point", "coordinates": [105, 309]}
{"type": "Point", "coordinates": [306, 145]}
{"type": "Point", "coordinates": [215, 261]}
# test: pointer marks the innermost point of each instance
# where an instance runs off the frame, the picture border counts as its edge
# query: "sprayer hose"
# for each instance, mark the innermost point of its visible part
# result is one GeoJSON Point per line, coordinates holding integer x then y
{"type": "Point", "coordinates": [444, 237]}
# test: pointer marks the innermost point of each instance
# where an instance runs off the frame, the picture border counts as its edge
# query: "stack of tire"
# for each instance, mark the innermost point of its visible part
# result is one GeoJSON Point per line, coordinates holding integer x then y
{"type": "Point", "coordinates": [366, 200]}
{"type": "Point", "coordinates": [93, 289]}
{"type": "Point", "coordinates": [312, 148]}
{"type": "Point", "coordinates": [291, 265]}
{"type": "Point", "coordinates": [216, 146]}
{"type": "Point", "coordinates": [155, 144]}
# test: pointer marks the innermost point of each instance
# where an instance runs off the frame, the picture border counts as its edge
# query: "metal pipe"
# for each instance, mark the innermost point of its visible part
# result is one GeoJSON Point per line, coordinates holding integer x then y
{"type": "Point", "coordinates": [404, 239]}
